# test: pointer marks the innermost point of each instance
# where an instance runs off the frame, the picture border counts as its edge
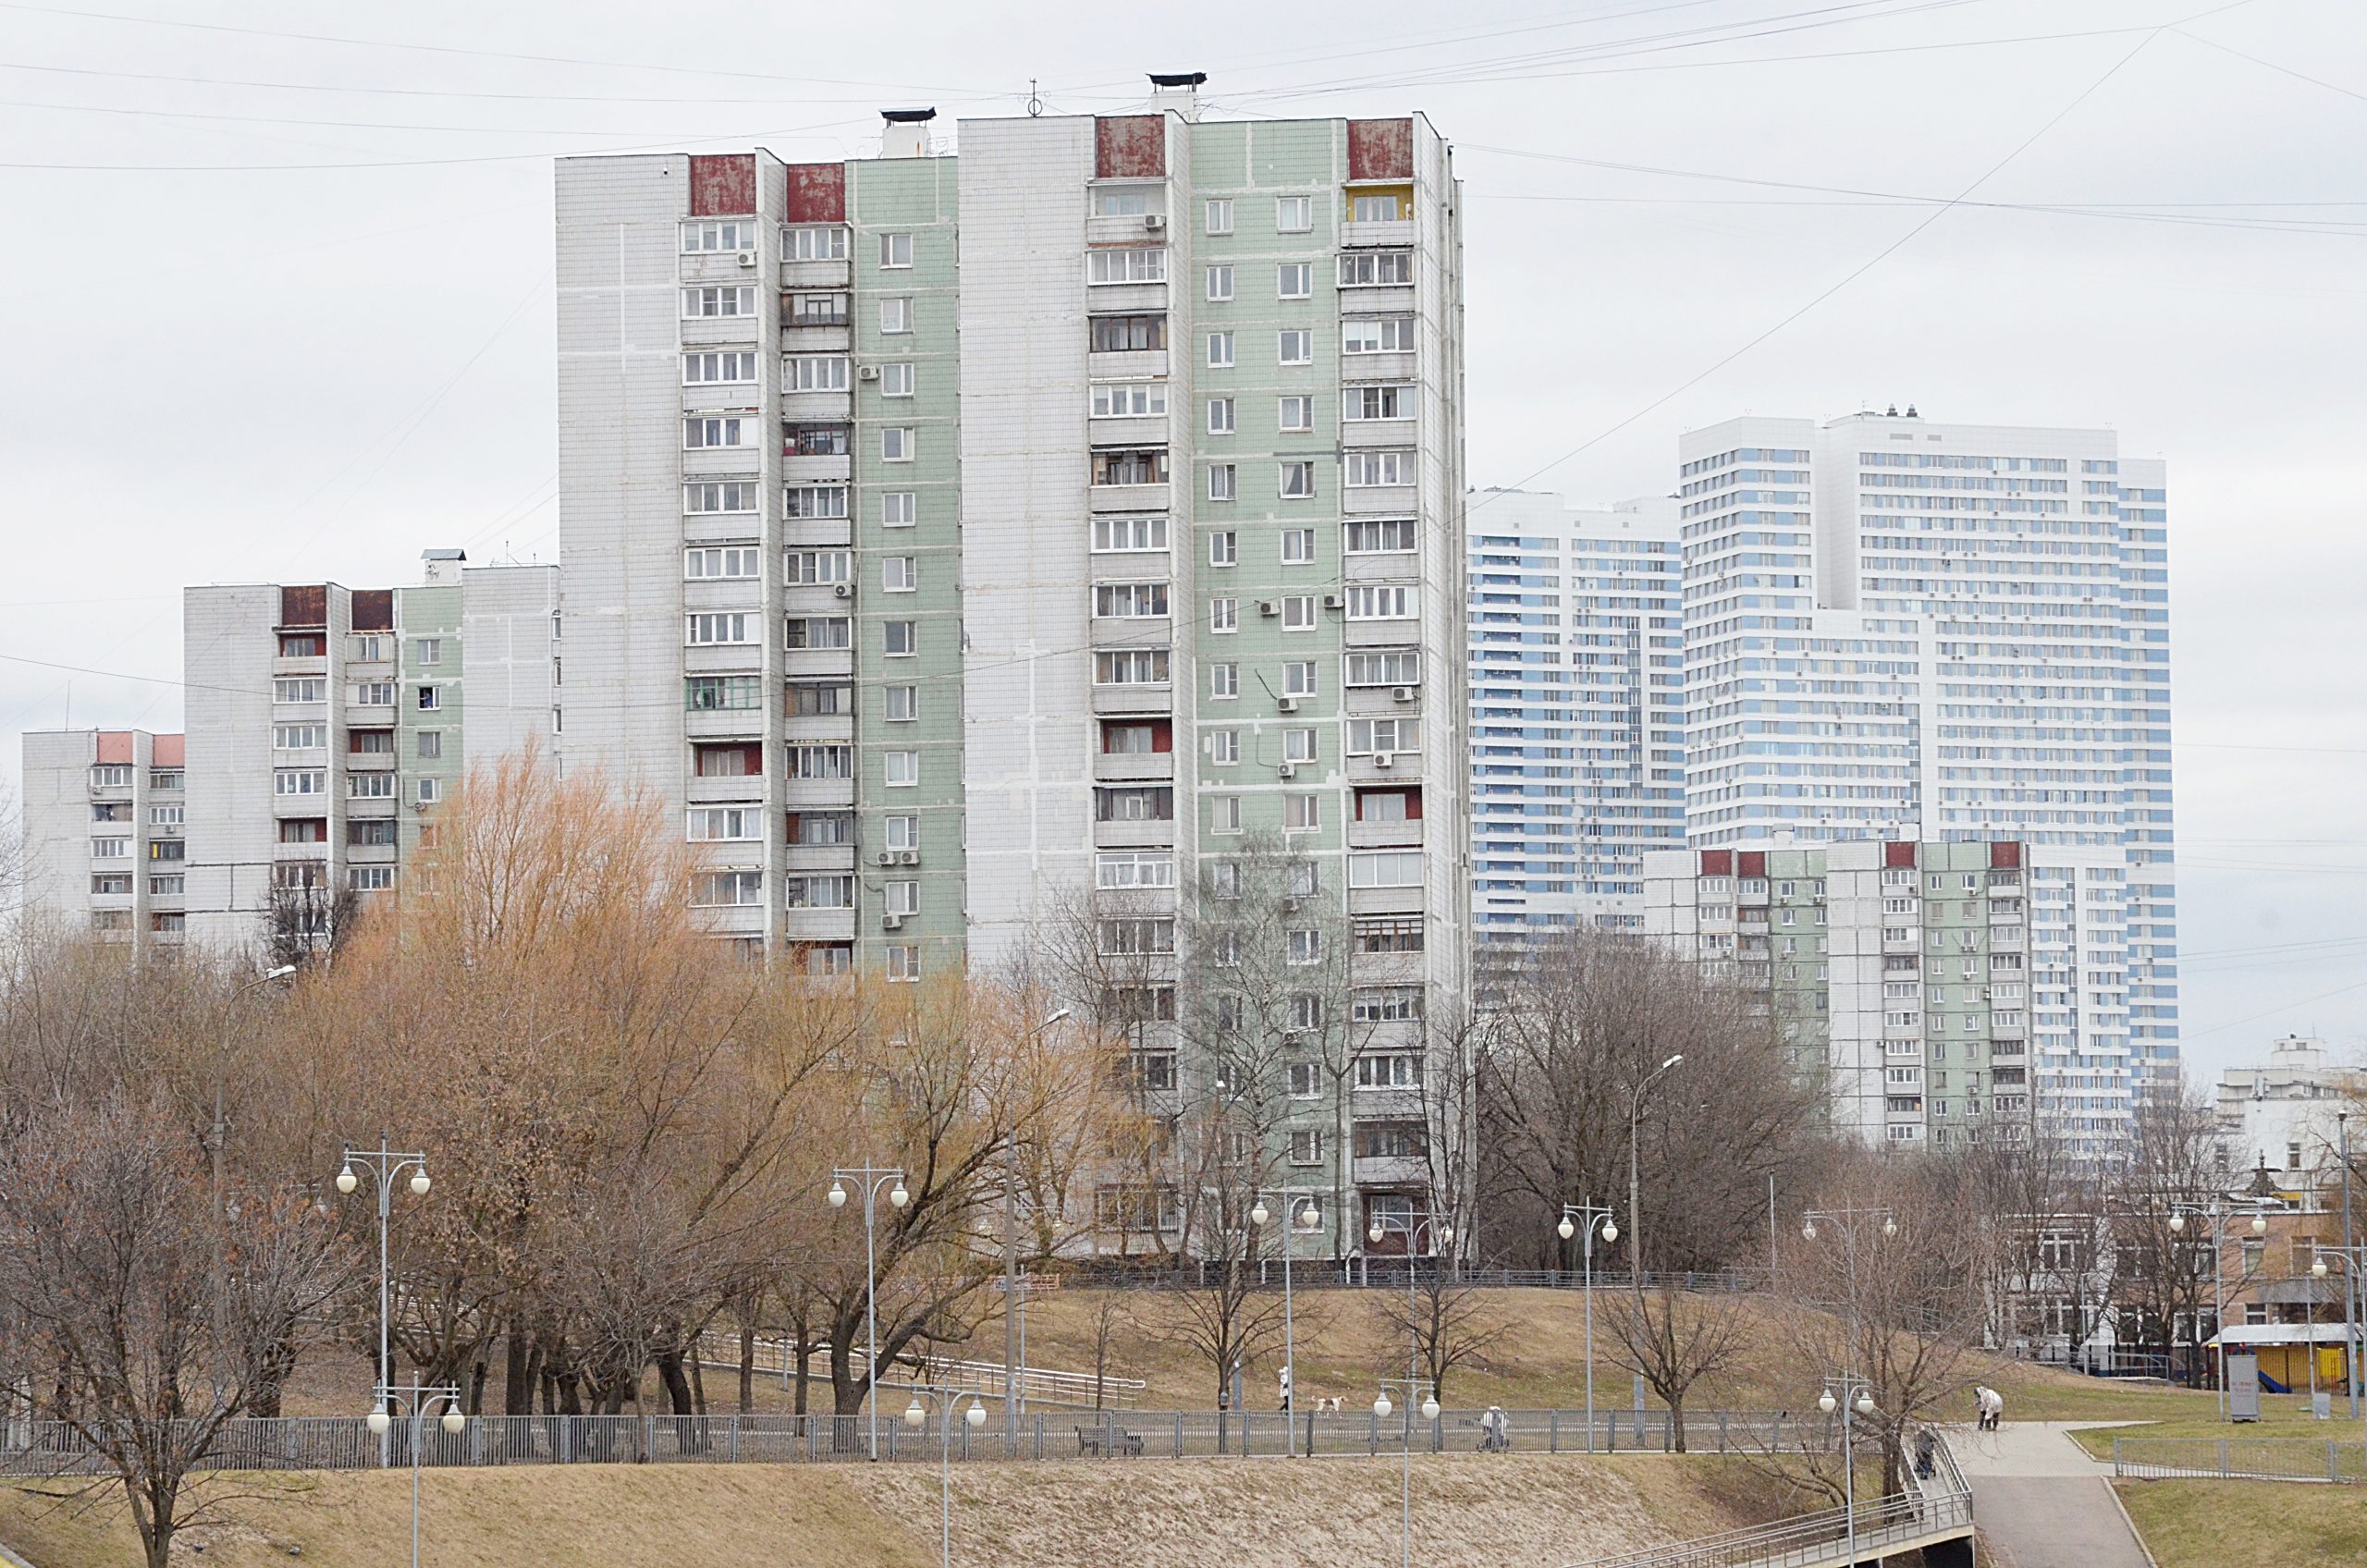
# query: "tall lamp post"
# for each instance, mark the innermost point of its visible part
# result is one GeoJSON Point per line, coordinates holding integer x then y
{"type": "Point", "coordinates": [417, 1397]}
{"type": "Point", "coordinates": [2354, 1260]}
{"type": "Point", "coordinates": [2216, 1212]}
{"type": "Point", "coordinates": [915, 1418]}
{"type": "Point", "coordinates": [1634, 1187]}
{"type": "Point", "coordinates": [1848, 1221]}
{"type": "Point", "coordinates": [387, 1166]}
{"type": "Point", "coordinates": [1856, 1399]}
{"type": "Point", "coordinates": [1302, 1221]}
{"type": "Point", "coordinates": [870, 1177]}
{"type": "Point", "coordinates": [1381, 1407]}
{"type": "Point", "coordinates": [1441, 1235]}
{"type": "Point", "coordinates": [1594, 1218]}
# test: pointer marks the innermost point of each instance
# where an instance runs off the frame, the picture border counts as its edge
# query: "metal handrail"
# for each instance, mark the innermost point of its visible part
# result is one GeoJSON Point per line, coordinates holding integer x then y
{"type": "Point", "coordinates": [776, 1357]}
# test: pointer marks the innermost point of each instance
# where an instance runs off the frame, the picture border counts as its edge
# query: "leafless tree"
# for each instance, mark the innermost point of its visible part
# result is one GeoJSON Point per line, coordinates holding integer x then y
{"type": "Point", "coordinates": [1673, 1339]}
{"type": "Point", "coordinates": [2165, 1278]}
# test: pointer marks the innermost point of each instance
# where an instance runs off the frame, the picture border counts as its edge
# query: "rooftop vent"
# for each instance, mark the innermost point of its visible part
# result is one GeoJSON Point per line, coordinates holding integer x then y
{"type": "Point", "coordinates": [907, 135]}
{"type": "Point", "coordinates": [1179, 91]}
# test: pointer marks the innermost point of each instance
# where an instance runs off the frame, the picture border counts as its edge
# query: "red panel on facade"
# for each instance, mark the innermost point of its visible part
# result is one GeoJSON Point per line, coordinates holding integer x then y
{"type": "Point", "coordinates": [1380, 148]}
{"type": "Point", "coordinates": [1898, 854]}
{"type": "Point", "coordinates": [115, 746]}
{"type": "Point", "coordinates": [817, 193]}
{"type": "Point", "coordinates": [722, 184]}
{"type": "Point", "coordinates": [373, 609]}
{"type": "Point", "coordinates": [169, 751]}
{"type": "Point", "coordinates": [2006, 852]}
{"type": "Point", "coordinates": [304, 607]}
{"type": "Point", "coordinates": [1130, 146]}
{"type": "Point", "coordinates": [1717, 862]}
{"type": "Point", "coordinates": [1754, 862]}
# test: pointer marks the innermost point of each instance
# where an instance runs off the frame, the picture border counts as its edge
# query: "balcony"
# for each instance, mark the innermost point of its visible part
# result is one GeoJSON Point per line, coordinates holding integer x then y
{"type": "Point", "coordinates": [807, 794]}
{"type": "Point", "coordinates": [1386, 900]}
{"type": "Point", "coordinates": [818, 469]}
{"type": "Point", "coordinates": [1148, 697]}
{"type": "Point", "coordinates": [817, 276]}
{"type": "Point", "coordinates": [723, 462]}
{"type": "Point", "coordinates": [817, 924]}
{"type": "Point", "coordinates": [731, 920]}
{"type": "Point", "coordinates": [748, 790]}
{"type": "Point", "coordinates": [370, 762]}
{"type": "Point", "coordinates": [821, 857]}
{"type": "Point", "coordinates": [1130, 497]}
{"type": "Point", "coordinates": [721, 266]}
{"type": "Point", "coordinates": [1133, 632]}
{"type": "Point", "coordinates": [718, 332]}
{"type": "Point", "coordinates": [1381, 633]}
{"type": "Point", "coordinates": [798, 663]}
{"type": "Point", "coordinates": [1134, 835]}
{"type": "Point", "coordinates": [816, 407]}
{"type": "Point", "coordinates": [1389, 231]}
{"type": "Point", "coordinates": [1380, 500]}
{"type": "Point", "coordinates": [1126, 365]}
{"type": "Point", "coordinates": [1404, 767]}
{"type": "Point", "coordinates": [1385, 835]}
{"type": "Point", "coordinates": [1390, 1170]}
{"type": "Point", "coordinates": [1396, 365]}
{"type": "Point", "coordinates": [1356, 433]}
{"type": "Point", "coordinates": [1119, 768]}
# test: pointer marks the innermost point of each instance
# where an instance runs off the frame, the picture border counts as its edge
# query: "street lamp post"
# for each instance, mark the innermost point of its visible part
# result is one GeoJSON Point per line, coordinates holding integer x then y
{"type": "Point", "coordinates": [915, 1418]}
{"type": "Point", "coordinates": [1381, 1407]}
{"type": "Point", "coordinates": [2354, 1260]}
{"type": "Point", "coordinates": [417, 1397]}
{"type": "Point", "coordinates": [2216, 1213]}
{"type": "Point", "coordinates": [1594, 1218]}
{"type": "Point", "coordinates": [1298, 1219]}
{"type": "Point", "coordinates": [387, 1166]}
{"type": "Point", "coordinates": [1441, 1235]}
{"type": "Point", "coordinates": [1634, 1187]}
{"type": "Point", "coordinates": [1847, 1220]}
{"type": "Point", "coordinates": [870, 1177]}
{"type": "Point", "coordinates": [1855, 1398]}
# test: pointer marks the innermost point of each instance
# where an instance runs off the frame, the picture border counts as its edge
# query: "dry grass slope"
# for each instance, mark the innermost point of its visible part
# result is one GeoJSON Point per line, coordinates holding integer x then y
{"type": "Point", "coordinates": [2248, 1524]}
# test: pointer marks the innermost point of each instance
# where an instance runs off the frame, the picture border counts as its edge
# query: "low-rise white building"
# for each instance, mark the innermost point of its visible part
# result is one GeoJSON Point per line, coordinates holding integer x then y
{"type": "Point", "coordinates": [2283, 1117]}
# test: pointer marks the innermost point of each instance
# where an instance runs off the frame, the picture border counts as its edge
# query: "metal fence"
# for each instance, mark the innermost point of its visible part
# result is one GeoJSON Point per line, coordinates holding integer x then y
{"type": "Point", "coordinates": [2259, 1459]}
{"type": "Point", "coordinates": [1360, 1272]}
{"type": "Point", "coordinates": [774, 1355]}
{"type": "Point", "coordinates": [32, 1449]}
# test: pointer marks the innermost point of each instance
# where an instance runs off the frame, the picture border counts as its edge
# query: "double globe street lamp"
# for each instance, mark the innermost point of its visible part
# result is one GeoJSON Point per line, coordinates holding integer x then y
{"type": "Point", "coordinates": [1855, 1398]}
{"type": "Point", "coordinates": [871, 1178]}
{"type": "Point", "coordinates": [1596, 1218]}
{"type": "Point", "coordinates": [915, 1418]}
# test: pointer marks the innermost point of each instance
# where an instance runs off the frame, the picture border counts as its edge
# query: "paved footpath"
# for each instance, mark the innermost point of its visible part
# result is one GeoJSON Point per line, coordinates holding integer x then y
{"type": "Point", "coordinates": [2042, 1501]}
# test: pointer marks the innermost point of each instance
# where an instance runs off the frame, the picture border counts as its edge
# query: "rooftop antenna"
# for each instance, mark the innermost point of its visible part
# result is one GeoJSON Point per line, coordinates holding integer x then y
{"type": "Point", "coordinates": [1034, 103]}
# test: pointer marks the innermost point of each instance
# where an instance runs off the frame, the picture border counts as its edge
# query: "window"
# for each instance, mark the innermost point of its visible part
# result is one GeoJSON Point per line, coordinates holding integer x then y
{"type": "Point", "coordinates": [1126, 263]}
{"type": "Point", "coordinates": [1129, 936]}
{"type": "Point", "coordinates": [1220, 284]}
{"type": "Point", "coordinates": [899, 639]}
{"type": "Point", "coordinates": [904, 964]}
{"type": "Point", "coordinates": [726, 299]}
{"type": "Point", "coordinates": [814, 244]}
{"type": "Point", "coordinates": [116, 849]}
{"type": "Point", "coordinates": [699, 237]}
{"type": "Point", "coordinates": [1394, 467]}
{"type": "Point", "coordinates": [171, 885]}
{"type": "Point", "coordinates": [428, 650]}
{"type": "Point", "coordinates": [814, 373]}
{"type": "Point", "coordinates": [1298, 678]}
{"type": "Point", "coordinates": [1224, 751]}
{"type": "Point", "coordinates": [370, 786]}
{"type": "Point", "coordinates": [1301, 814]}
{"type": "Point", "coordinates": [299, 737]}
{"type": "Point", "coordinates": [895, 249]}
{"type": "Point", "coordinates": [816, 566]}
{"type": "Point", "coordinates": [812, 699]}
{"type": "Point", "coordinates": [1129, 599]}
{"type": "Point", "coordinates": [368, 694]}
{"type": "Point", "coordinates": [1389, 1071]}
{"type": "Point", "coordinates": [1358, 403]}
{"type": "Point", "coordinates": [1389, 806]}
{"type": "Point", "coordinates": [734, 626]}
{"type": "Point", "coordinates": [903, 769]}
{"type": "Point", "coordinates": [1298, 482]}
{"type": "Point", "coordinates": [1219, 217]}
{"type": "Point", "coordinates": [1120, 536]}
{"type": "Point", "coordinates": [899, 574]}
{"type": "Point", "coordinates": [1380, 601]}
{"type": "Point", "coordinates": [714, 887]}
{"type": "Point", "coordinates": [1150, 738]}
{"type": "Point", "coordinates": [1134, 802]}
{"type": "Point", "coordinates": [1294, 346]}
{"type": "Point", "coordinates": [719, 367]}
{"type": "Point", "coordinates": [1298, 612]}
{"type": "Point", "coordinates": [1294, 215]}
{"type": "Point", "coordinates": [833, 891]}
{"type": "Point", "coordinates": [1224, 548]}
{"type": "Point", "coordinates": [896, 443]}
{"type": "Point", "coordinates": [1391, 1140]}
{"type": "Point", "coordinates": [898, 508]}
{"type": "Point", "coordinates": [903, 898]}
{"type": "Point", "coordinates": [721, 495]}
{"type": "Point", "coordinates": [1130, 466]}
{"type": "Point", "coordinates": [302, 646]}
{"type": "Point", "coordinates": [733, 431]}
{"type": "Point", "coordinates": [1298, 546]}
{"type": "Point", "coordinates": [1386, 868]}
{"type": "Point", "coordinates": [897, 832]}
{"type": "Point", "coordinates": [177, 849]}
{"type": "Point", "coordinates": [1221, 484]}
{"type": "Point", "coordinates": [1386, 207]}
{"type": "Point", "coordinates": [821, 828]}
{"type": "Point", "coordinates": [109, 883]}
{"type": "Point", "coordinates": [303, 689]}
{"type": "Point", "coordinates": [736, 560]}
{"type": "Point", "coordinates": [1224, 680]}
{"type": "Point", "coordinates": [172, 778]}
{"type": "Point", "coordinates": [1366, 269]}
{"type": "Point", "coordinates": [1292, 280]}
{"type": "Point", "coordinates": [1389, 535]}
{"type": "Point", "coordinates": [1299, 745]}
{"type": "Point", "coordinates": [1124, 201]}
{"type": "Point", "coordinates": [165, 816]}
{"type": "Point", "coordinates": [1220, 351]}
{"type": "Point", "coordinates": [904, 703]}
{"type": "Point", "coordinates": [818, 309]}
{"type": "Point", "coordinates": [1224, 813]}
{"type": "Point", "coordinates": [1368, 735]}
{"type": "Point", "coordinates": [1224, 615]}
{"type": "Point", "coordinates": [368, 648]}
{"type": "Point", "coordinates": [1133, 868]}
{"type": "Point", "coordinates": [1122, 334]}
{"type": "Point", "coordinates": [430, 745]}
{"type": "Point", "coordinates": [1377, 335]}
{"type": "Point", "coordinates": [1219, 416]}
{"type": "Point", "coordinates": [895, 316]}
{"type": "Point", "coordinates": [719, 824]}
{"type": "Point", "coordinates": [111, 811]}
{"type": "Point", "coordinates": [370, 832]}
{"type": "Point", "coordinates": [815, 501]}
{"type": "Point", "coordinates": [1130, 667]}
{"type": "Point", "coordinates": [1129, 400]}
{"type": "Point", "coordinates": [1297, 415]}
{"type": "Point", "coordinates": [1306, 1013]}
{"type": "Point", "coordinates": [896, 380]}
{"type": "Point", "coordinates": [817, 631]}
{"type": "Point", "coordinates": [824, 440]}
{"type": "Point", "coordinates": [430, 792]}
{"type": "Point", "coordinates": [303, 781]}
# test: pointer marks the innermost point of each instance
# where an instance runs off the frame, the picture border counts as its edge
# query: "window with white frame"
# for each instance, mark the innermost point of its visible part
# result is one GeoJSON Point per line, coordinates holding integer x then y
{"type": "Point", "coordinates": [896, 443]}
{"type": "Point", "coordinates": [899, 639]}
{"type": "Point", "coordinates": [715, 367]}
{"type": "Point", "coordinates": [1219, 216]}
{"type": "Point", "coordinates": [727, 888]}
{"type": "Point", "coordinates": [1125, 201]}
{"type": "Point", "coordinates": [804, 633]}
{"type": "Point", "coordinates": [1224, 680]}
{"type": "Point", "coordinates": [1298, 612]}
{"type": "Point", "coordinates": [1220, 482]}
{"type": "Point", "coordinates": [710, 825]}
{"type": "Point", "coordinates": [1128, 400]}
{"type": "Point", "coordinates": [814, 373]}
{"type": "Point", "coordinates": [1294, 280]}
{"type": "Point", "coordinates": [1224, 751]}
{"type": "Point", "coordinates": [1377, 335]}
{"type": "Point", "coordinates": [1129, 599]}
{"type": "Point", "coordinates": [299, 737]}
{"type": "Point", "coordinates": [1130, 667]}
{"type": "Point", "coordinates": [800, 567]}
{"type": "Point", "coordinates": [904, 703]}
{"type": "Point", "coordinates": [370, 786]}
{"type": "Point", "coordinates": [1219, 416]}
{"type": "Point", "coordinates": [1386, 1004]}
{"type": "Point", "coordinates": [721, 562]}
{"type": "Point", "coordinates": [1224, 615]}
{"type": "Point", "coordinates": [1302, 946]}
{"type": "Point", "coordinates": [1294, 346]}
{"type": "Point", "coordinates": [1224, 547]}
{"type": "Point", "coordinates": [727, 235]}
{"type": "Point", "coordinates": [1367, 736]}
{"type": "Point", "coordinates": [895, 315]}
{"type": "Point", "coordinates": [1380, 535]}
{"type": "Point", "coordinates": [816, 244]}
{"type": "Point", "coordinates": [1134, 868]}
{"type": "Point", "coordinates": [1126, 263]}
{"type": "Point", "coordinates": [1294, 215]}
{"type": "Point", "coordinates": [1373, 269]}
{"type": "Point", "coordinates": [1298, 481]}
{"type": "Point", "coordinates": [721, 627]}
{"type": "Point", "coordinates": [1299, 745]}
{"type": "Point", "coordinates": [1385, 868]}
{"type": "Point", "coordinates": [1299, 677]}
{"type": "Point", "coordinates": [1298, 546]}
{"type": "Point", "coordinates": [896, 380]}
{"type": "Point", "coordinates": [370, 878]}
{"type": "Point", "coordinates": [1219, 283]}
{"type": "Point", "coordinates": [300, 782]}
{"type": "Point", "coordinates": [700, 432]}
{"type": "Point", "coordinates": [815, 501]}
{"type": "Point", "coordinates": [119, 849]}
{"type": "Point", "coordinates": [165, 816]}
{"type": "Point", "coordinates": [821, 762]}
{"type": "Point", "coordinates": [1220, 351]}
{"type": "Point", "coordinates": [1296, 415]}
{"type": "Point", "coordinates": [1394, 466]}
{"type": "Point", "coordinates": [898, 508]}
{"type": "Point", "coordinates": [904, 964]}
{"type": "Point", "coordinates": [1126, 535]}
{"type": "Point", "coordinates": [721, 300]}
{"type": "Point", "coordinates": [822, 891]}
{"type": "Point", "coordinates": [901, 832]}
{"type": "Point", "coordinates": [895, 249]}
{"type": "Point", "coordinates": [1301, 814]}
{"type": "Point", "coordinates": [722, 496]}
{"type": "Point", "coordinates": [901, 769]}
{"type": "Point", "coordinates": [903, 898]}
{"type": "Point", "coordinates": [1385, 666]}
{"type": "Point", "coordinates": [1388, 401]}
{"type": "Point", "coordinates": [286, 689]}
{"type": "Point", "coordinates": [1392, 1070]}
{"type": "Point", "coordinates": [899, 574]}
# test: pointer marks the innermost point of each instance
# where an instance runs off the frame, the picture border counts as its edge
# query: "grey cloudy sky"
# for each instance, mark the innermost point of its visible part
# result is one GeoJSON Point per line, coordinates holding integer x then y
{"type": "Point", "coordinates": [280, 307]}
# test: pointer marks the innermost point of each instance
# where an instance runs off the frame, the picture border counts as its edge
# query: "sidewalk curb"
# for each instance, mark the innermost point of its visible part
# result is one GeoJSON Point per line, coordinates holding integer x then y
{"type": "Point", "coordinates": [2111, 1487]}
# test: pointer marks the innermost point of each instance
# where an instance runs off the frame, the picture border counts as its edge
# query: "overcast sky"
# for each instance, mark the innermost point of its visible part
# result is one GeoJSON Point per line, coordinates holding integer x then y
{"type": "Point", "coordinates": [280, 307]}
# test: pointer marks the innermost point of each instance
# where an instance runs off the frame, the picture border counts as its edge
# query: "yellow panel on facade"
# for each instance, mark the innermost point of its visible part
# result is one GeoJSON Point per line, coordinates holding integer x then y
{"type": "Point", "coordinates": [1380, 203]}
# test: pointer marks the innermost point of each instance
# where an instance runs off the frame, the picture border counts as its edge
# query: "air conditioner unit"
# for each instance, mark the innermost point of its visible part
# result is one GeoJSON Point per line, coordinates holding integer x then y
{"type": "Point", "coordinates": [1384, 759]}
{"type": "Point", "coordinates": [747, 258]}
{"type": "Point", "coordinates": [867, 373]}
{"type": "Point", "coordinates": [885, 857]}
{"type": "Point", "coordinates": [1287, 770]}
{"type": "Point", "coordinates": [1334, 602]}
{"type": "Point", "coordinates": [1154, 221]}
{"type": "Point", "coordinates": [891, 922]}
{"type": "Point", "coordinates": [1404, 694]}
{"type": "Point", "coordinates": [842, 590]}
{"type": "Point", "coordinates": [1267, 606]}
{"type": "Point", "coordinates": [907, 857]}
{"type": "Point", "coordinates": [1288, 704]}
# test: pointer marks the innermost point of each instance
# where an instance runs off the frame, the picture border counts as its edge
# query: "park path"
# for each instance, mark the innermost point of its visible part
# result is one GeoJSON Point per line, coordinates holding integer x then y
{"type": "Point", "coordinates": [2042, 1501]}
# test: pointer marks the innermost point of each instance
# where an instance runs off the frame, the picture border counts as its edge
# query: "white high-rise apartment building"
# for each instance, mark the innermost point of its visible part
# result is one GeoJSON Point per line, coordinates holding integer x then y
{"type": "Point", "coordinates": [1897, 628]}
{"type": "Point", "coordinates": [1577, 716]}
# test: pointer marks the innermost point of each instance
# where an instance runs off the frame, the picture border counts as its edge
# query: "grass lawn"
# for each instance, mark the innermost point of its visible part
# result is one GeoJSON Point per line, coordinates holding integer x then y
{"type": "Point", "coordinates": [2248, 1524]}
{"type": "Point", "coordinates": [2281, 1415]}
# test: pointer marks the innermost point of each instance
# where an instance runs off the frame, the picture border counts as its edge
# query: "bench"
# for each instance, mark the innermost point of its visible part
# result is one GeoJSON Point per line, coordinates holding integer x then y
{"type": "Point", "coordinates": [1101, 1442]}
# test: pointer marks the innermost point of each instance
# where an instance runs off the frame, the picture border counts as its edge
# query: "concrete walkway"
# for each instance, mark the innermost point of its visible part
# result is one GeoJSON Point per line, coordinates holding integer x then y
{"type": "Point", "coordinates": [2042, 1501]}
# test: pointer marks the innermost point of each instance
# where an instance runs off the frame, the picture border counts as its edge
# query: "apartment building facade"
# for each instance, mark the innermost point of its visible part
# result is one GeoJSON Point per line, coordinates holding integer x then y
{"type": "Point", "coordinates": [1901, 628]}
{"type": "Point", "coordinates": [1577, 720]}
{"type": "Point", "coordinates": [1908, 977]}
{"type": "Point", "coordinates": [324, 725]}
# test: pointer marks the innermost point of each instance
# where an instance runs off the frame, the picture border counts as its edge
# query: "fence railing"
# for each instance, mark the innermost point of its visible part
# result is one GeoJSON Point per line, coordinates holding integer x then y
{"type": "Point", "coordinates": [776, 1356]}
{"type": "Point", "coordinates": [2259, 1459]}
{"type": "Point", "coordinates": [1355, 1273]}
{"type": "Point", "coordinates": [35, 1449]}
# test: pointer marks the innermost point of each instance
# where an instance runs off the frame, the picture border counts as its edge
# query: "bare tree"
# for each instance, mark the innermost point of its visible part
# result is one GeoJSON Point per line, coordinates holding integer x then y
{"type": "Point", "coordinates": [2165, 1278]}
{"type": "Point", "coordinates": [1673, 1339]}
